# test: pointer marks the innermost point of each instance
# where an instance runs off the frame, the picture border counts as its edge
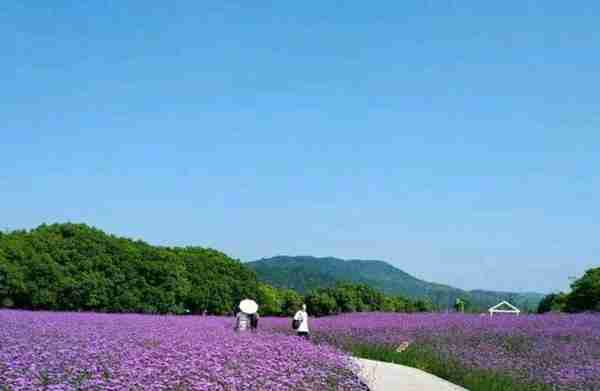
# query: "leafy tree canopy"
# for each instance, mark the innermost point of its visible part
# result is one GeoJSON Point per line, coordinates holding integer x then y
{"type": "Point", "coordinates": [349, 297]}
{"type": "Point", "coordinates": [585, 293]}
{"type": "Point", "coordinates": [77, 267]}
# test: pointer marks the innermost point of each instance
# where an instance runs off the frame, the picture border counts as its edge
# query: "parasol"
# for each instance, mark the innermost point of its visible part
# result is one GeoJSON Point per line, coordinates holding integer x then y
{"type": "Point", "coordinates": [248, 306]}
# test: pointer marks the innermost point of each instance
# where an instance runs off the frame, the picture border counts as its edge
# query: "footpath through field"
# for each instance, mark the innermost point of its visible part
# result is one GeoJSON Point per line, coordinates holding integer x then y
{"type": "Point", "coordinates": [383, 376]}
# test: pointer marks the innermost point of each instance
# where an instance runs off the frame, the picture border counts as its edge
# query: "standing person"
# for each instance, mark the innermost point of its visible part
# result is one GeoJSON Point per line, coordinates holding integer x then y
{"type": "Point", "coordinates": [301, 320]}
{"type": "Point", "coordinates": [243, 318]}
{"type": "Point", "coordinates": [254, 321]}
{"type": "Point", "coordinates": [242, 321]}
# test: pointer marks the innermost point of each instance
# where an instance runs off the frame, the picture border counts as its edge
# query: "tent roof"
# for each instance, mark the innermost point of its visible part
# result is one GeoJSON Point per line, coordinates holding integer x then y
{"type": "Point", "coordinates": [506, 303]}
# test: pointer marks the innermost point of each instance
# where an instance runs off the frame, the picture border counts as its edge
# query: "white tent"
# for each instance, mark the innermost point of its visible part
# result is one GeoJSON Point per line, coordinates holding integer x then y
{"type": "Point", "coordinates": [498, 308]}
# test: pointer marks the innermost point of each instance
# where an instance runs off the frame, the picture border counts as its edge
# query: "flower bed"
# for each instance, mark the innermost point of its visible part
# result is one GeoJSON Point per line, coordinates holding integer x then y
{"type": "Point", "coordinates": [562, 351]}
{"type": "Point", "coordinates": [71, 351]}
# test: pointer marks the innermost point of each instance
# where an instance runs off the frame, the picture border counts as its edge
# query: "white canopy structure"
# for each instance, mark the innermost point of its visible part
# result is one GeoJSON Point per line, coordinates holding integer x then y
{"type": "Point", "coordinates": [498, 308]}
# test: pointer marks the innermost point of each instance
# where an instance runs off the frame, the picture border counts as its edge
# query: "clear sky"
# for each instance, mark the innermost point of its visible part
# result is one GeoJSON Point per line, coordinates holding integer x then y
{"type": "Point", "coordinates": [460, 141]}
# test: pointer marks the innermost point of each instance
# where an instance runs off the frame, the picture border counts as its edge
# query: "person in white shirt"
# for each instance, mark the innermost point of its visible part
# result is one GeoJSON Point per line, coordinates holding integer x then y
{"type": "Point", "coordinates": [302, 317]}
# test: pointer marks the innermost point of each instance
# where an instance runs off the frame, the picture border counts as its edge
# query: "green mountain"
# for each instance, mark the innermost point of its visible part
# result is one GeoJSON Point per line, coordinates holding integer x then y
{"type": "Point", "coordinates": [305, 273]}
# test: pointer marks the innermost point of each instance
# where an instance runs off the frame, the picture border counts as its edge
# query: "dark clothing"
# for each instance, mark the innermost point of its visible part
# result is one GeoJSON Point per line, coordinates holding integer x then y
{"type": "Point", "coordinates": [254, 322]}
{"type": "Point", "coordinates": [304, 334]}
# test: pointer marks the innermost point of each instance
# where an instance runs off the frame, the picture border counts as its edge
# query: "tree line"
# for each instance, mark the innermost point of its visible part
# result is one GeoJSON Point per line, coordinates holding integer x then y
{"type": "Point", "coordinates": [342, 298]}
{"type": "Point", "coordinates": [584, 296]}
{"type": "Point", "coordinates": [74, 267]}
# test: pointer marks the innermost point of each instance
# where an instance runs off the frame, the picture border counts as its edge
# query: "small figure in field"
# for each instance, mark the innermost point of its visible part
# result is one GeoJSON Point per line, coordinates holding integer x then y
{"type": "Point", "coordinates": [254, 321]}
{"type": "Point", "coordinates": [459, 305]}
{"type": "Point", "coordinates": [243, 319]}
{"type": "Point", "coordinates": [300, 323]}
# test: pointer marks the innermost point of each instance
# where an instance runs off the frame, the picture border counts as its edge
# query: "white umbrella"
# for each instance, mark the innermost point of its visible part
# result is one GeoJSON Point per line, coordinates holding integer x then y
{"type": "Point", "coordinates": [248, 306]}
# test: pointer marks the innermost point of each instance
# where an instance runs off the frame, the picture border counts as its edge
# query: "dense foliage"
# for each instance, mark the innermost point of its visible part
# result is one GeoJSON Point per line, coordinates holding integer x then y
{"type": "Point", "coordinates": [305, 274]}
{"type": "Point", "coordinates": [584, 296]}
{"type": "Point", "coordinates": [278, 302]}
{"type": "Point", "coordinates": [78, 268]}
{"type": "Point", "coordinates": [346, 297]}
{"type": "Point", "coordinates": [554, 302]}
{"type": "Point", "coordinates": [585, 293]}
{"type": "Point", "coordinates": [75, 267]}
{"type": "Point", "coordinates": [95, 352]}
{"type": "Point", "coordinates": [342, 298]}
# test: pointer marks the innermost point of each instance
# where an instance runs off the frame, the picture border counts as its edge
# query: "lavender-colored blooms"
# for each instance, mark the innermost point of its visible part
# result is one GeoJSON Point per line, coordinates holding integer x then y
{"type": "Point", "coordinates": [560, 350]}
{"type": "Point", "coordinates": [71, 351]}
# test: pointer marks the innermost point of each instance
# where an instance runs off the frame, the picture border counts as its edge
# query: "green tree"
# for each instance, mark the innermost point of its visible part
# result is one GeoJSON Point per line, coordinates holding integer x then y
{"type": "Point", "coordinates": [397, 304]}
{"type": "Point", "coordinates": [552, 302]}
{"type": "Point", "coordinates": [459, 305]}
{"type": "Point", "coordinates": [462, 305]}
{"type": "Point", "coordinates": [348, 297]}
{"type": "Point", "coordinates": [321, 303]}
{"type": "Point", "coordinates": [423, 305]}
{"type": "Point", "coordinates": [12, 283]}
{"type": "Point", "coordinates": [76, 267]}
{"type": "Point", "coordinates": [291, 302]}
{"type": "Point", "coordinates": [269, 300]}
{"type": "Point", "coordinates": [585, 293]}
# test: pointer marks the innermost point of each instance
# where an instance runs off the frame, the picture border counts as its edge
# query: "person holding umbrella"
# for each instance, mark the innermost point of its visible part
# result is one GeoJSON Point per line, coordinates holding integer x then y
{"type": "Point", "coordinates": [242, 319]}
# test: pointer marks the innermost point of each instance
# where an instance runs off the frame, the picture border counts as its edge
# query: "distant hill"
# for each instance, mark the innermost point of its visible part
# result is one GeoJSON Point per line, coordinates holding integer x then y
{"type": "Point", "coordinates": [305, 273]}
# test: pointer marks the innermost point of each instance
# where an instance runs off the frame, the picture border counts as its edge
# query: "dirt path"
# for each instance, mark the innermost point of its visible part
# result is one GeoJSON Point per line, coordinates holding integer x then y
{"type": "Point", "coordinates": [383, 376]}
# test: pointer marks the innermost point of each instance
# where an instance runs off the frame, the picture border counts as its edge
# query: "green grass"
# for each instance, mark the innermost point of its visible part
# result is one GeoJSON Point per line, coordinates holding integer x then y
{"type": "Point", "coordinates": [423, 358]}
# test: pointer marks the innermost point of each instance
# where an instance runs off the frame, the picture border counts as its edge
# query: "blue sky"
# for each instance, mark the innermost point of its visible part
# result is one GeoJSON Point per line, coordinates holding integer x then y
{"type": "Point", "coordinates": [458, 141]}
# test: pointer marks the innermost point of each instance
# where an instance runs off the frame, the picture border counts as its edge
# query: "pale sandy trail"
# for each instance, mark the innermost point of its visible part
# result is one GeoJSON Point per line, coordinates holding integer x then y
{"type": "Point", "coordinates": [383, 376]}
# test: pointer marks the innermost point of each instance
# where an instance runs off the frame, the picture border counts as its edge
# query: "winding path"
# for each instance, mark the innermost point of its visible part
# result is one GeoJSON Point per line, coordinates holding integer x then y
{"type": "Point", "coordinates": [383, 376]}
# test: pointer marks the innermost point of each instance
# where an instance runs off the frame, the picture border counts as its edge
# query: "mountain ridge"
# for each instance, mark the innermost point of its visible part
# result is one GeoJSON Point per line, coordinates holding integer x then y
{"type": "Point", "coordinates": [305, 273]}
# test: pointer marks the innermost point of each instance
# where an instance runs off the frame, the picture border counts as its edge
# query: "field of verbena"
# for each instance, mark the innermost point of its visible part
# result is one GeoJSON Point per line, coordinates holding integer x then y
{"type": "Point", "coordinates": [562, 351]}
{"type": "Point", "coordinates": [71, 351]}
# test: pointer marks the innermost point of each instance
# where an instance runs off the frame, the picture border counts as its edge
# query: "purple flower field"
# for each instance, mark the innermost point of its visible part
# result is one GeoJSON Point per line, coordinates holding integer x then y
{"type": "Point", "coordinates": [559, 350]}
{"type": "Point", "coordinates": [78, 351]}
{"type": "Point", "coordinates": [70, 351]}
